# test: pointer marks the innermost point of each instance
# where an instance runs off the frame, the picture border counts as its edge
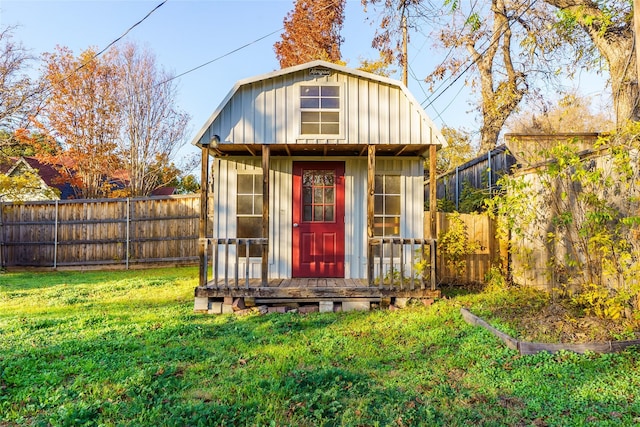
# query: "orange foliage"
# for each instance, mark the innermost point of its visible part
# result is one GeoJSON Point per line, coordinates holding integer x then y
{"type": "Point", "coordinates": [311, 31]}
{"type": "Point", "coordinates": [81, 113]}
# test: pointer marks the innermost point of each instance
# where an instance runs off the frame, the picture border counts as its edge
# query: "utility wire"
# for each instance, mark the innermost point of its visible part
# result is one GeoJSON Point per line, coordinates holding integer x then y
{"type": "Point", "coordinates": [473, 62]}
{"type": "Point", "coordinates": [112, 43]}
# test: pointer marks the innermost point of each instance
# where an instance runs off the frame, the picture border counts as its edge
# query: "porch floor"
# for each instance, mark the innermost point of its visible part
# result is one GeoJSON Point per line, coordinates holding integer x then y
{"type": "Point", "coordinates": [313, 289]}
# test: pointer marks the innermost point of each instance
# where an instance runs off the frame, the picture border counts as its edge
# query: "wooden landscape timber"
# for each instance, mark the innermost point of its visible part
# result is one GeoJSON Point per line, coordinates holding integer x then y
{"type": "Point", "coordinates": [525, 347]}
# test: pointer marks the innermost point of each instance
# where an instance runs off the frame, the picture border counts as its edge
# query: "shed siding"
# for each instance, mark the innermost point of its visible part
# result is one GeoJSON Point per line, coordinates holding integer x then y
{"type": "Point", "coordinates": [373, 112]}
{"type": "Point", "coordinates": [280, 206]}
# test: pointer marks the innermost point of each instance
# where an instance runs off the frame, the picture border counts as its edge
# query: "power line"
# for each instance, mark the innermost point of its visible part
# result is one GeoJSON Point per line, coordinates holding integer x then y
{"type": "Point", "coordinates": [473, 62]}
{"type": "Point", "coordinates": [113, 42]}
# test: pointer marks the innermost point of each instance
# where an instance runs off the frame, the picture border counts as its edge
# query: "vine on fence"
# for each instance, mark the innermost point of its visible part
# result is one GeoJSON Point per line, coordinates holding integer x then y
{"type": "Point", "coordinates": [583, 209]}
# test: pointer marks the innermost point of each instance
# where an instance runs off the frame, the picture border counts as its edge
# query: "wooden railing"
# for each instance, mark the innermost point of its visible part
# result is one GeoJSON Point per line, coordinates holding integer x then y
{"type": "Point", "coordinates": [403, 253]}
{"type": "Point", "coordinates": [218, 245]}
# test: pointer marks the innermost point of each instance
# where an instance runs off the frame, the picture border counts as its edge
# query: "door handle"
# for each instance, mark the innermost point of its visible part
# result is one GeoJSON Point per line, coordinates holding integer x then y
{"type": "Point", "coordinates": [296, 225]}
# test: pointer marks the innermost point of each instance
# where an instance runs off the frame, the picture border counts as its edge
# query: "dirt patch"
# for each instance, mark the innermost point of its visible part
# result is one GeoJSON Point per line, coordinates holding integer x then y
{"type": "Point", "coordinates": [556, 322]}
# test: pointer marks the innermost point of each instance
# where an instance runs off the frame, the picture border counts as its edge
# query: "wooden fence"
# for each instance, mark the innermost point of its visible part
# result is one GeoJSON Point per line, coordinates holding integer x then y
{"type": "Point", "coordinates": [480, 229]}
{"type": "Point", "coordinates": [156, 231]}
{"type": "Point", "coordinates": [84, 233]}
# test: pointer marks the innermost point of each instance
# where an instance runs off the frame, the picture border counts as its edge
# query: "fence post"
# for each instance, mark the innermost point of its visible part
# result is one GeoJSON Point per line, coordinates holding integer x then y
{"type": "Point", "coordinates": [126, 247]}
{"type": "Point", "coordinates": [2, 235]}
{"type": "Point", "coordinates": [55, 237]}
{"type": "Point", "coordinates": [457, 184]}
{"type": "Point", "coordinates": [490, 175]}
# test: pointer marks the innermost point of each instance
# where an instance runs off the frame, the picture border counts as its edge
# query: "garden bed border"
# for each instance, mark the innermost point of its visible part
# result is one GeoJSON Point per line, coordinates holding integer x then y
{"type": "Point", "coordinates": [526, 347]}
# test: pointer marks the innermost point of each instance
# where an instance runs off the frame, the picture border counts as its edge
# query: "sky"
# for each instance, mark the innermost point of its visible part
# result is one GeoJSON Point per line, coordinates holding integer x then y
{"type": "Point", "coordinates": [184, 34]}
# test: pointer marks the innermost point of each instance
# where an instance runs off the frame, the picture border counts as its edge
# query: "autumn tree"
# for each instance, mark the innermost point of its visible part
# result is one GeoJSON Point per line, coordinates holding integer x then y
{"type": "Point", "coordinates": [460, 149]}
{"type": "Point", "coordinates": [609, 26]}
{"type": "Point", "coordinates": [83, 112]}
{"type": "Point", "coordinates": [153, 128]}
{"type": "Point", "coordinates": [311, 32]}
{"type": "Point", "coordinates": [572, 112]}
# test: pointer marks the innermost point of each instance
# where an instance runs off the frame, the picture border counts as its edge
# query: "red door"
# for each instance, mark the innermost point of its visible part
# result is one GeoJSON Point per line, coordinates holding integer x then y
{"type": "Point", "coordinates": [318, 219]}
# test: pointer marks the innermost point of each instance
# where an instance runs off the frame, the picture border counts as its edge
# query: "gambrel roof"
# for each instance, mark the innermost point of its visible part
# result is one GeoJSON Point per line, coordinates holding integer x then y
{"type": "Point", "coordinates": [266, 109]}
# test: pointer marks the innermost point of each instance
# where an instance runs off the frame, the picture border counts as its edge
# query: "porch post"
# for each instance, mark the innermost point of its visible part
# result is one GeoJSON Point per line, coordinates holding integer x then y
{"type": "Point", "coordinates": [204, 211]}
{"type": "Point", "coordinates": [371, 171]}
{"type": "Point", "coordinates": [266, 160]}
{"type": "Point", "coordinates": [433, 210]}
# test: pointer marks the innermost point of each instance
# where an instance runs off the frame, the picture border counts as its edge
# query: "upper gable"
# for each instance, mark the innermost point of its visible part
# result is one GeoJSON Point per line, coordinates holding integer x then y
{"type": "Point", "coordinates": [320, 103]}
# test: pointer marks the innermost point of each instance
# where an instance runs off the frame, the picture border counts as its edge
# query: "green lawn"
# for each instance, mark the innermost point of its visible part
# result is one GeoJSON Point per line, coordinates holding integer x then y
{"type": "Point", "coordinates": [125, 348]}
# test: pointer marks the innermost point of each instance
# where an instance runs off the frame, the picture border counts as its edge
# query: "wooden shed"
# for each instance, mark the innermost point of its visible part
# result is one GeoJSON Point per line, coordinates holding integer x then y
{"type": "Point", "coordinates": [315, 189]}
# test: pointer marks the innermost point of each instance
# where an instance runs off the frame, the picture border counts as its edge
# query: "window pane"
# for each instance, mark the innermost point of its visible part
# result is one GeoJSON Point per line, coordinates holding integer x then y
{"type": "Point", "coordinates": [310, 128]}
{"type": "Point", "coordinates": [330, 90]}
{"type": "Point", "coordinates": [317, 195]}
{"type": "Point", "coordinates": [317, 213]}
{"type": "Point", "coordinates": [328, 213]}
{"type": "Point", "coordinates": [392, 205]}
{"type": "Point", "coordinates": [309, 102]}
{"type": "Point", "coordinates": [307, 178]}
{"type": "Point", "coordinates": [306, 195]}
{"type": "Point", "coordinates": [330, 103]}
{"type": "Point", "coordinates": [331, 129]}
{"type": "Point", "coordinates": [310, 90]}
{"type": "Point", "coordinates": [392, 184]}
{"type": "Point", "coordinates": [392, 226]}
{"type": "Point", "coordinates": [306, 214]}
{"type": "Point", "coordinates": [249, 226]}
{"type": "Point", "coordinates": [377, 184]}
{"type": "Point", "coordinates": [310, 117]}
{"type": "Point", "coordinates": [377, 205]}
{"type": "Point", "coordinates": [245, 184]}
{"type": "Point", "coordinates": [330, 117]}
{"type": "Point", "coordinates": [378, 226]}
{"type": "Point", "coordinates": [328, 195]}
{"type": "Point", "coordinates": [245, 205]}
{"type": "Point", "coordinates": [257, 204]}
{"type": "Point", "coordinates": [257, 184]}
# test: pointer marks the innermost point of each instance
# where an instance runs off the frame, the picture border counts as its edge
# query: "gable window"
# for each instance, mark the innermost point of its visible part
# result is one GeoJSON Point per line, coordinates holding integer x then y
{"type": "Point", "coordinates": [249, 211]}
{"type": "Point", "coordinates": [319, 110]}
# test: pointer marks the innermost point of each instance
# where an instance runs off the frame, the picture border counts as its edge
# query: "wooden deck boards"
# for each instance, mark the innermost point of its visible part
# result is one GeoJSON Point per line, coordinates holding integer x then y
{"type": "Point", "coordinates": [312, 289]}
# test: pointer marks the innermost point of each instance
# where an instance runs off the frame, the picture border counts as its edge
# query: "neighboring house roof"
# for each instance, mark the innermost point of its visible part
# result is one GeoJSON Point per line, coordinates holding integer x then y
{"type": "Point", "coordinates": [47, 173]}
{"type": "Point", "coordinates": [265, 109]}
{"type": "Point", "coordinates": [51, 177]}
{"type": "Point", "coordinates": [164, 191]}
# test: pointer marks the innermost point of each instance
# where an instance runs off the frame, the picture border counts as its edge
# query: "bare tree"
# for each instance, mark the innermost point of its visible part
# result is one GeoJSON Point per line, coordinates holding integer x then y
{"type": "Point", "coordinates": [153, 127]}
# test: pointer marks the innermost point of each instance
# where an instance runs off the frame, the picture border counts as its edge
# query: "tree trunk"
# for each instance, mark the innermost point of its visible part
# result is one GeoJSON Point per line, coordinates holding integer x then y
{"type": "Point", "coordinates": [614, 40]}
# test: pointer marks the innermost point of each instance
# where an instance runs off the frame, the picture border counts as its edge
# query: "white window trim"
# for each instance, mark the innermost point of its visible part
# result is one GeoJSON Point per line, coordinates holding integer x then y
{"type": "Point", "coordinates": [341, 111]}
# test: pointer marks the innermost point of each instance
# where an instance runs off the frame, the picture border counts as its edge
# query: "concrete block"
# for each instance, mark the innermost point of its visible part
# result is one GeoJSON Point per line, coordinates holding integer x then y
{"type": "Point", "coordinates": [427, 302]}
{"type": "Point", "coordinates": [280, 309]}
{"type": "Point", "coordinates": [356, 305]}
{"type": "Point", "coordinates": [216, 308]}
{"type": "Point", "coordinates": [228, 300]}
{"type": "Point", "coordinates": [201, 304]}
{"type": "Point", "coordinates": [227, 309]}
{"type": "Point", "coordinates": [401, 302]}
{"type": "Point", "coordinates": [308, 309]}
{"type": "Point", "coordinates": [326, 306]}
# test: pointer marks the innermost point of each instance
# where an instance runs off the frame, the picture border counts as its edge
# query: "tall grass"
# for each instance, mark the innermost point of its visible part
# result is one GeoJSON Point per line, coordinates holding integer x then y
{"type": "Point", "coordinates": [125, 348]}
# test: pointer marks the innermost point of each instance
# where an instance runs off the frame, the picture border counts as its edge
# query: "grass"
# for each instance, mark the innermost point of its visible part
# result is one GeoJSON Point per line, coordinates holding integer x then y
{"type": "Point", "coordinates": [125, 348]}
